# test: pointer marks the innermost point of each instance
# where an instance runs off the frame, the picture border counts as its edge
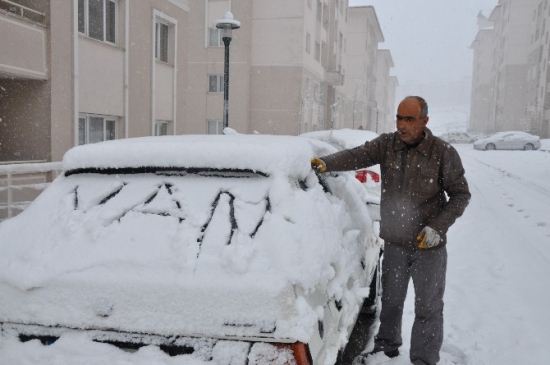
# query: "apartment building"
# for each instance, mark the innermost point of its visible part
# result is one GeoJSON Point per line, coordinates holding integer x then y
{"type": "Point", "coordinates": [285, 64]}
{"type": "Point", "coordinates": [513, 22]}
{"type": "Point", "coordinates": [385, 93]}
{"type": "Point", "coordinates": [296, 65]}
{"type": "Point", "coordinates": [363, 36]}
{"type": "Point", "coordinates": [509, 88]}
{"type": "Point", "coordinates": [538, 77]}
{"type": "Point", "coordinates": [83, 71]}
{"type": "Point", "coordinates": [482, 102]}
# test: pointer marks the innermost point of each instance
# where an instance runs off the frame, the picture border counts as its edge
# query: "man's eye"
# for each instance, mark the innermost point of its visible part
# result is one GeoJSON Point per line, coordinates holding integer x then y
{"type": "Point", "coordinates": [406, 119]}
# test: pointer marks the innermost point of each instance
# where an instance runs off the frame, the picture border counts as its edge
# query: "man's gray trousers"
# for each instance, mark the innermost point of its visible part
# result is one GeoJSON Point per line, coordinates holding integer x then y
{"type": "Point", "coordinates": [427, 268]}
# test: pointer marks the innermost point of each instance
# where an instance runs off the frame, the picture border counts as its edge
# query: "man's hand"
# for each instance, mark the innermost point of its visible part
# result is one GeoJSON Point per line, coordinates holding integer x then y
{"type": "Point", "coordinates": [428, 238]}
{"type": "Point", "coordinates": [318, 165]}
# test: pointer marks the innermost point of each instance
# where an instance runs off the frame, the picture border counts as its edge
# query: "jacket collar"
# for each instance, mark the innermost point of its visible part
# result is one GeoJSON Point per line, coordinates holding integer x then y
{"type": "Point", "coordinates": [423, 147]}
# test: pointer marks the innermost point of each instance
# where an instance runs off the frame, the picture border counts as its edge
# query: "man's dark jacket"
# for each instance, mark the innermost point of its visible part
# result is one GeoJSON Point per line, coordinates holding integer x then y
{"type": "Point", "coordinates": [414, 183]}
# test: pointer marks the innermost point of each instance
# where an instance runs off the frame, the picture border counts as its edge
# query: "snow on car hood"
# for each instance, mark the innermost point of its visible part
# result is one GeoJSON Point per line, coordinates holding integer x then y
{"type": "Point", "coordinates": [188, 249]}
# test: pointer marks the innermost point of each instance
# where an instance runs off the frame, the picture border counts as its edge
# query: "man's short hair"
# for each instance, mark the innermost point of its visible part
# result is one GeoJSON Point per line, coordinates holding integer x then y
{"type": "Point", "coordinates": [423, 105]}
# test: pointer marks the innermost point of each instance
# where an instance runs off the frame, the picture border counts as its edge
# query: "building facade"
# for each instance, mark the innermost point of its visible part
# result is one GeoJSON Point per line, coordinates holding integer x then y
{"type": "Point", "coordinates": [83, 71]}
{"type": "Point", "coordinates": [364, 35]}
{"type": "Point", "coordinates": [385, 93]}
{"type": "Point", "coordinates": [510, 70]}
{"type": "Point", "coordinates": [481, 104]}
{"type": "Point", "coordinates": [538, 77]}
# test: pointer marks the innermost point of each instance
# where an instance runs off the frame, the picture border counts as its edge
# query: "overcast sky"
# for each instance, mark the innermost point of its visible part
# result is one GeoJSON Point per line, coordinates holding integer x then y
{"type": "Point", "coordinates": [429, 39]}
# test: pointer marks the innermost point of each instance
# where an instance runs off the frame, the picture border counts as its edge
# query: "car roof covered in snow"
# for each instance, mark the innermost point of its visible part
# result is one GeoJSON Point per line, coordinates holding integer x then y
{"type": "Point", "coordinates": [262, 153]}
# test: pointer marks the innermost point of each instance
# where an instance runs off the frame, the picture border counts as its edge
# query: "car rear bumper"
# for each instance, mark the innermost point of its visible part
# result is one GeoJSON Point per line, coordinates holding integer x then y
{"type": "Point", "coordinates": [208, 350]}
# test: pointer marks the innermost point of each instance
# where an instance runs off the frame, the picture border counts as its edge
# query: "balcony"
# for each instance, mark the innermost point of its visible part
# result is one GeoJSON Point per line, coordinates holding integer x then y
{"type": "Point", "coordinates": [16, 9]}
{"type": "Point", "coordinates": [334, 78]}
{"type": "Point", "coordinates": [21, 183]}
{"type": "Point", "coordinates": [23, 42]}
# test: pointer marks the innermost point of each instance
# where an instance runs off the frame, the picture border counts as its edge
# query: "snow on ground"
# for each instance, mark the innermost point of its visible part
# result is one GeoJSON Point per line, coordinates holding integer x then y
{"type": "Point", "coordinates": [497, 284]}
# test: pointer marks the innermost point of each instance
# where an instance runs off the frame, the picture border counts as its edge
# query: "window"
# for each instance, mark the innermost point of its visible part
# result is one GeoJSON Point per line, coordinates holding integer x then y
{"type": "Point", "coordinates": [324, 54]}
{"type": "Point", "coordinates": [325, 16]}
{"type": "Point", "coordinates": [308, 43]}
{"type": "Point", "coordinates": [161, 128]}
{"type": "Point", "coordinates": [316, 94]}
{"type": "Point", "coordinates": [215, 83]}
{"type": "Point", "coordinates": [161, 41]}
{"type": "Point", "coordinates": [98, 19]}
{"type": "Point", "coordinates": [319, 11]}
{"type": "Point", "coordinates": [96, 128]}
{"type": "Point", "coordinates": [215, 39]}
{"type": "Point", "coordinates": [215, 127]}
{"type": "Point", "coordinates": [317, 51]}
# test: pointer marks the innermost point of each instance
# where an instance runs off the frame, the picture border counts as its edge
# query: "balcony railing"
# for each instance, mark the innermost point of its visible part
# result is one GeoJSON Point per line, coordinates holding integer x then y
{"type": "Point", "coordinates": [22, 182]}
{"type": "Point", "coordinates": [22, 11]}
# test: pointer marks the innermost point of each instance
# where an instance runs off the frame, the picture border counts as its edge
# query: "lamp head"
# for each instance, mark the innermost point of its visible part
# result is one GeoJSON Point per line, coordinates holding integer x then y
{"type": "Point", "coordinates": [227, 24]}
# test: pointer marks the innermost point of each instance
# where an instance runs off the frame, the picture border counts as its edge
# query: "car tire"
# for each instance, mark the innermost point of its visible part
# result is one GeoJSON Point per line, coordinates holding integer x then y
{"type": "Point", "coordinates": [528, 147]}
{"type": "Point", "coordinates": [490, 147]}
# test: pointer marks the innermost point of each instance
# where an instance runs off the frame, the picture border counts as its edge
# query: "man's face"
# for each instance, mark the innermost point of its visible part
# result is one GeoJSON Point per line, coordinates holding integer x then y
{"type": "Point", "coordinates": [409, 124]}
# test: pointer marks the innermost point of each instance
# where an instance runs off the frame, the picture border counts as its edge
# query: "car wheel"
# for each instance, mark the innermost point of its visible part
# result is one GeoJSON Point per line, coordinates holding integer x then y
{"type": "Point", "coordinates": [490, 147]}
{"type": "Point", "coordinates": [528, 147]}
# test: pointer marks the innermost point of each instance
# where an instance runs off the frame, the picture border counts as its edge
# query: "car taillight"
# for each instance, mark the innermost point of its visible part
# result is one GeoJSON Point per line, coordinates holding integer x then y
{"type": "Point", "coordinates": [300, 351]}
{"type": "Point", "coordinates": [361, 175]}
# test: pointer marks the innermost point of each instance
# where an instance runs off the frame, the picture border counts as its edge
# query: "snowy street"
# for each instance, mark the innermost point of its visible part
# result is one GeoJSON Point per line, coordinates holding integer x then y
{"type": "Point", "coordinates": [497, 295]}
{"type": "Point", "coordinates": [498, 287]}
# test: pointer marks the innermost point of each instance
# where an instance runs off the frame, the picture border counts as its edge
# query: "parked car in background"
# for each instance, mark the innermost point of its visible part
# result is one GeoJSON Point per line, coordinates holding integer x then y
{"type": "Point", "coordinates": [457, 137]}
{"type": "Point", "coordinates": [511, 140]}
{"type": "Point", "coordinates": [210, 247]}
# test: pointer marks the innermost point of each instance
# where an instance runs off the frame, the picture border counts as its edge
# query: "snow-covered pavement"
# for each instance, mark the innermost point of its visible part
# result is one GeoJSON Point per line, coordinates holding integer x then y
{"type": "Point", "coordinates": [498, 286]}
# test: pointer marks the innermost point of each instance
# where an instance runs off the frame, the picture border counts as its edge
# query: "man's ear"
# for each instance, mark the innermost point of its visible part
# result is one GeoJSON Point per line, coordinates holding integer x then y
{"type": "Point", "coordinates": [426, 120]}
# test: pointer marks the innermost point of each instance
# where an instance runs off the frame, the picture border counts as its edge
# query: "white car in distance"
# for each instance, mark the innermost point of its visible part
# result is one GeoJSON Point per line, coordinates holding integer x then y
{"type": "Point", "coordinates": [457, 137]}
{"type": "Point", "coordinates": [511, 140]}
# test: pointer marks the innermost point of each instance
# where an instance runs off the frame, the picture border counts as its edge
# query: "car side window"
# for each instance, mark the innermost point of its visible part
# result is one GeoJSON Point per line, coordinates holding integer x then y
{"type": "Point", "coordinates": [323, 182]}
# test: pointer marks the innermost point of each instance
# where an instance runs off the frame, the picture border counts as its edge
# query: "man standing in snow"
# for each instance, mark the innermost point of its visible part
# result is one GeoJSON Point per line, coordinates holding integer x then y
{"type": "Point", "coordinates": [418, 169]}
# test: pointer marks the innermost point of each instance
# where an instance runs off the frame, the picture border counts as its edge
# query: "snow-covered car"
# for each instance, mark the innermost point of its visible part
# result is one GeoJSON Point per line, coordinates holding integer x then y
{"type": "Point", "coordinates": [217, 248]}
{"type": "Point", "coordinates": [370, 178]}
{"type": "Point", "coordinates": [457, 137]}
{"type": "Point", "coordinates": [509, 141]}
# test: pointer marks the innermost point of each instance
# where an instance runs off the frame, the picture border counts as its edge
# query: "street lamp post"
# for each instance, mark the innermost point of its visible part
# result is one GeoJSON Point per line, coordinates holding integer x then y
{"type": "Point", "coordinates": [227, 24]}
